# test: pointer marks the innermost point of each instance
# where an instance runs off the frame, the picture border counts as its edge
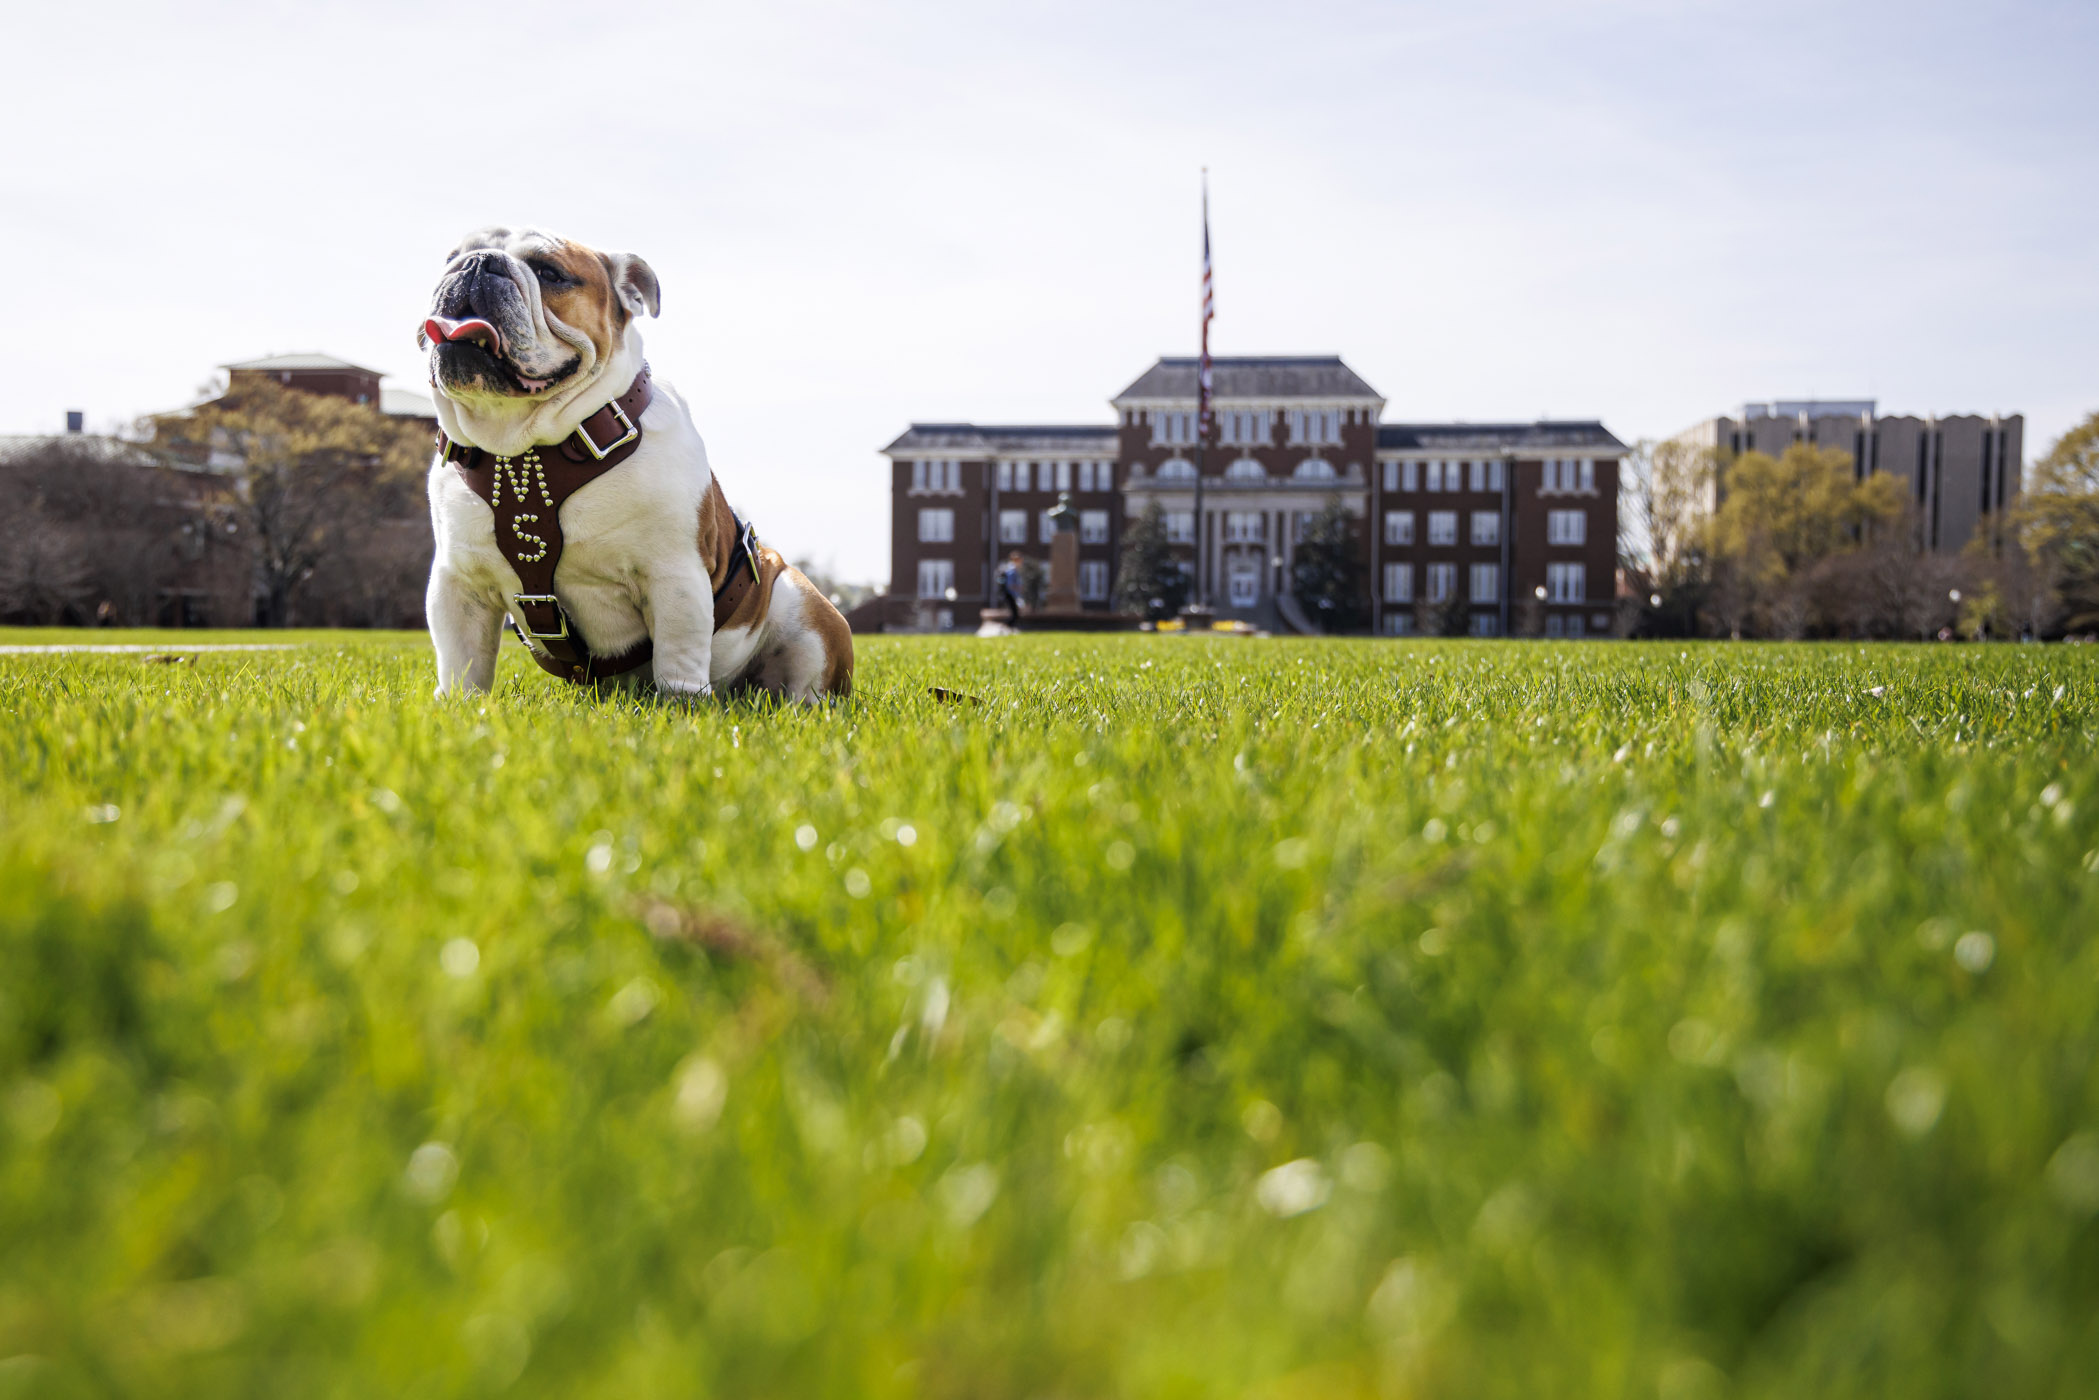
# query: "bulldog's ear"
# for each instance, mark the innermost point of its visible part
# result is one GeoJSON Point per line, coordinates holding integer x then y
{"type": "Point", "coordinates": [635, 281]}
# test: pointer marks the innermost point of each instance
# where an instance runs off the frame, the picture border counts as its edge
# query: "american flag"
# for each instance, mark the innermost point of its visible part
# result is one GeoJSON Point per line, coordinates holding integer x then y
{"type": "Point", "coordinates": [1202, 376]}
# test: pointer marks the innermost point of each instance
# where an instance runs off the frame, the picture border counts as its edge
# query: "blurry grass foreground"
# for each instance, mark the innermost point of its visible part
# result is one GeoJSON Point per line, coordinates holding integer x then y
{"type": "Point", "coordinates": [1189, 1018]}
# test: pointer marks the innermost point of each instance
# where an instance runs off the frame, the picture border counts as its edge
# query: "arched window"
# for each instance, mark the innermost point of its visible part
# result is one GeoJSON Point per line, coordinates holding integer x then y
{"type": "Point", "coordinates": [1312, 469]}
{"type": "Point", "coordinates": [1176, 469]}
{"type": "Point", "coordinates": [1246, 469]}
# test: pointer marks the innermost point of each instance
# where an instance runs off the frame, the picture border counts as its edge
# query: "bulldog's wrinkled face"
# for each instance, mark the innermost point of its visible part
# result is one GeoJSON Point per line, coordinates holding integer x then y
{"type": "Point", "coordinates": [529, 317]}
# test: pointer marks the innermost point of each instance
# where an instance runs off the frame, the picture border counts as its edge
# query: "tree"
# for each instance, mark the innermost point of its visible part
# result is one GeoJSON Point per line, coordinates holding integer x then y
{"type": "Point", "coordinates": [1327, 574]}
{"type": "Point", "coordinates": [1781, 520]}
{"type": "Point", "coordinates": [1149, 581]}
{"type": "Point", "coordinates": [312, 476]}
{"type": "Point", "coordinates": [1675, 485]}
{"type": "Point", "coordinates": [2057, 521]}
{"type": "Point", "coordinates": [106, 530]}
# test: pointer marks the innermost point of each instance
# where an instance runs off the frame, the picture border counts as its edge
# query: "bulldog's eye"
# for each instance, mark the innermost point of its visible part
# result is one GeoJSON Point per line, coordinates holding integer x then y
{"type": "Point", "coordinates": [549, 276]}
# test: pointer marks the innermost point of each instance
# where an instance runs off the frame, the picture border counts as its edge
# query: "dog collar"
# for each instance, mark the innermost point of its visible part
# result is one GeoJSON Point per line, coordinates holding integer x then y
{"type": "Point", "coordinates": [608, 437]}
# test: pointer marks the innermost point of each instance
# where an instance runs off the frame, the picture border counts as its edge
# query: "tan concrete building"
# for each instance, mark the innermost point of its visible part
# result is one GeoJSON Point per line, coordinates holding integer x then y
{"type": "Point", "coordinates": [1962, 471]}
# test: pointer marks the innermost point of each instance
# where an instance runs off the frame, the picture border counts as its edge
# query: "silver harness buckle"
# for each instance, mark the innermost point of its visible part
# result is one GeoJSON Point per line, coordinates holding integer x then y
{"type": "Point", "coordinates": [524, 624]}
{"type": "Point", "coordinates": [601, 453]}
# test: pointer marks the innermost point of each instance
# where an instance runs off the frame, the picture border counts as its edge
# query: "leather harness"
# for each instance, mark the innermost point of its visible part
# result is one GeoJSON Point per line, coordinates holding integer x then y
{"type": "Point", "coordinates": [527, 493]}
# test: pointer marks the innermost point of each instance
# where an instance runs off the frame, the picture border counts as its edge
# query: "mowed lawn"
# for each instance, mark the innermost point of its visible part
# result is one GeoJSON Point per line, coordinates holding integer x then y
{"type": "Point", "coordinates": [1177, 1017]}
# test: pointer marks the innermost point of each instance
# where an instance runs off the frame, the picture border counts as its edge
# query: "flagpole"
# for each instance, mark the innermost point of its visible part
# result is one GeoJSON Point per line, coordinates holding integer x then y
{"type": "Point", "coordinates": [1202, 412]}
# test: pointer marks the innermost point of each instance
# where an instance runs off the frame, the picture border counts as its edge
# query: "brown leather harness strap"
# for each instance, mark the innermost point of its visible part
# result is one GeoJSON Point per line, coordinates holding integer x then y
{"type": "Point", "coordinates": [527, 493]}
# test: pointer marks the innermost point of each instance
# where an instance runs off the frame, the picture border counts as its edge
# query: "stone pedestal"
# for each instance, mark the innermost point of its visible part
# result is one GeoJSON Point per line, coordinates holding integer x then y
{"type": "Point", "coordinates": [1063, 596]}
{"type": "Point", "coordinates": [1061, 610]}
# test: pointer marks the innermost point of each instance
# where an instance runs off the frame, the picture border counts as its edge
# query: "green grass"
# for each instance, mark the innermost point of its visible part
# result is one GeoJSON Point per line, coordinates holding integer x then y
{"type": "Point", "coordinates": [1190, 1018]}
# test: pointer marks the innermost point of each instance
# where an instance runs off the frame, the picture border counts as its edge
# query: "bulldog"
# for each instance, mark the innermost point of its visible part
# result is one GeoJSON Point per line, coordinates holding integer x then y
{"type": "Point", "coordinates": [572, 497]}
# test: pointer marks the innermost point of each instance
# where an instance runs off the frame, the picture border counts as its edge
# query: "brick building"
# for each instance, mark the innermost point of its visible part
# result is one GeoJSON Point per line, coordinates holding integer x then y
{"type": "Point", "coordinates": [325, 374]}
{"type": "Point", "coordinates": [1460, 525]}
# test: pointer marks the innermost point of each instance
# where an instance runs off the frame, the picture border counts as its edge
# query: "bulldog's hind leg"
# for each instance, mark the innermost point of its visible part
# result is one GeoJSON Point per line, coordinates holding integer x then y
{"type": "Point", "coordinates": [808, 651]}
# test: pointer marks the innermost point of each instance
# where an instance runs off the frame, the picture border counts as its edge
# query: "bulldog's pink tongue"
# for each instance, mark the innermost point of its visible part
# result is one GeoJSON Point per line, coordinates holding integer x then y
{"type": "Point", "coordinates": [441, 329]}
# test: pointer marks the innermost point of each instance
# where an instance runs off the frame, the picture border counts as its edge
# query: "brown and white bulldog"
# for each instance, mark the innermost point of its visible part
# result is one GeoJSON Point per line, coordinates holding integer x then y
{"type": "Point", "coordinates": [619, 554]}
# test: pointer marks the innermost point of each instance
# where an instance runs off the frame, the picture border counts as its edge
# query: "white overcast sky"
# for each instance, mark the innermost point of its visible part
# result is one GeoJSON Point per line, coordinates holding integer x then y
{"type": "Point", "coordinates": [868, 214]}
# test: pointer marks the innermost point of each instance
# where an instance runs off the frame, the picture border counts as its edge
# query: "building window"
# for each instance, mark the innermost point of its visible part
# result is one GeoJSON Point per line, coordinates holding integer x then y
{"type": "Point", "coordinates": [1046, 526]}
{"type": "Point", "coordinates": [1567, 474]}
{"type": "Point", "coordinates": [1486, 625]}
{"type": "Point", "coordinates": [1180, 527]}
{"type": "Point", "coordinates": [1246, 469]}
{"type": "Point", "coordinates": [1574, 625]}
{"type": "Point", "coordinates": [1244, 427]}
{"type": "Point", "coordinates": [1105, 476]}
{"type": "Point", "coordinates": [1481, 475]}
{"type": "Point", "coordinates": [1442, 582]}
{"type": "Point", "coordinates": [1486, 527]}
{"type": "Point", "coordinates": [1391, 476]}
{"type": "Point", "coordinates": [1495, 475]}
{"type": "Point", "coordinates": [1555, 626]}
{"type": "Point", "coordinates": [936, 526]}
{"type": "Point", "coordinates": [1312, 469]}
{"type": "Point", "coordinates": [1005, 476]}
{"type": "Point", "coordinates": [1442, 527]}
{"type": "Point", "coordinates": [1085, 476]}
{"type": "Point", "coordinates": [1093, 579]}
{"type": "Point", "coordinates": [1399, 527]}
{"type": "Point", "coordinates": [1315, 427]}
{"type": "Point", "coordinates": [1093, 527]}
{"type": "Point", "coordinates": [1243, 527]}
{"type": "Point", "coordinates": [936, 476]}
{"type": "Point", "coordinates": [1566, 527]}
{"type": "Point", "coordinates": [1399, 583]}
{"type": "Point", "coordinates": [1063, 476]}
{"type": "Point", "coordinates": [935, 577]}
{"type": "Point", "coordinates": [1176, 469]}
{"type": "Point", "coordinates": [1563, 583]}
{"type": "Point", "coordinates": [1599, 623]}
{"type": "Point", "coordinates": [1486, 583]}
{"type": "Point", "coordinates": [1012, 527]}
{"type": "Point", "coordinates": [1409, 475]}
{"type": "Point", "coordinates": [1433, 472]}
{"type": "Point", "coordinates": [1176, 427]}
{"type": "Point", "coordinates": [1399, 624]}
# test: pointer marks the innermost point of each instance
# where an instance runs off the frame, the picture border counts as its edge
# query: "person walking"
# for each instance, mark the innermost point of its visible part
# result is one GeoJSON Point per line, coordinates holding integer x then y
{"type": "Point", "coordinates": [1009, 584]}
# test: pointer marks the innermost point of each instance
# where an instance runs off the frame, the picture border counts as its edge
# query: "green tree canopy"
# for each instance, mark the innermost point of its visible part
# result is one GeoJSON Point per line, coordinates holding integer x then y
{"type": "Point", "coordinates": [2058, 521]}
{"type": "Point", "coordinates": [308, 470]}
{"type": "Point", "coordinates": [1327, 575]}
{"type": "Point", "coordinates": [1149, 580]}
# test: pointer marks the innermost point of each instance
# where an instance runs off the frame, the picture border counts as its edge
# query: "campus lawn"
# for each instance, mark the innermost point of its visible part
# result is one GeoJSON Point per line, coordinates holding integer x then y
{"type": "Point", "coordinates": [1186, 1017]}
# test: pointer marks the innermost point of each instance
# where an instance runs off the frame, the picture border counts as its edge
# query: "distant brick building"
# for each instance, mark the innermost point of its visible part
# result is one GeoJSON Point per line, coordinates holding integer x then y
{"type": "Point", "coordinates": [325, 374]}
{"type": "Point", "coordinates": [1457, 523]}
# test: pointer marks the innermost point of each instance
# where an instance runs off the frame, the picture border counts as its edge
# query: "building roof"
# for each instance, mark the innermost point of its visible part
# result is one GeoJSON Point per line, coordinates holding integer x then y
{"type": "Point", "coordinates": [1496, 437]}
{"type": "Point", "coordinates": [274, 363]}
{"type": "Point", "coordinates": [979, 439]}
{"type": "Point", "coordinates": [1252, 377]}
{"type": "Point", "coordinates": [406, 403]}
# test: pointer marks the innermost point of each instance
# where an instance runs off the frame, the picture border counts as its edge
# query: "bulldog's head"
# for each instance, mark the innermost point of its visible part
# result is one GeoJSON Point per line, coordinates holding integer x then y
{"type": "Point", "coordinates": [528, 333]}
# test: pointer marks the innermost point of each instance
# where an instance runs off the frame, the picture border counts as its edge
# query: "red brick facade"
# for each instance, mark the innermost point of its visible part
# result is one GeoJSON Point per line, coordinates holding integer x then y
{"type": "Point", "coordinates": [1287, 437]}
